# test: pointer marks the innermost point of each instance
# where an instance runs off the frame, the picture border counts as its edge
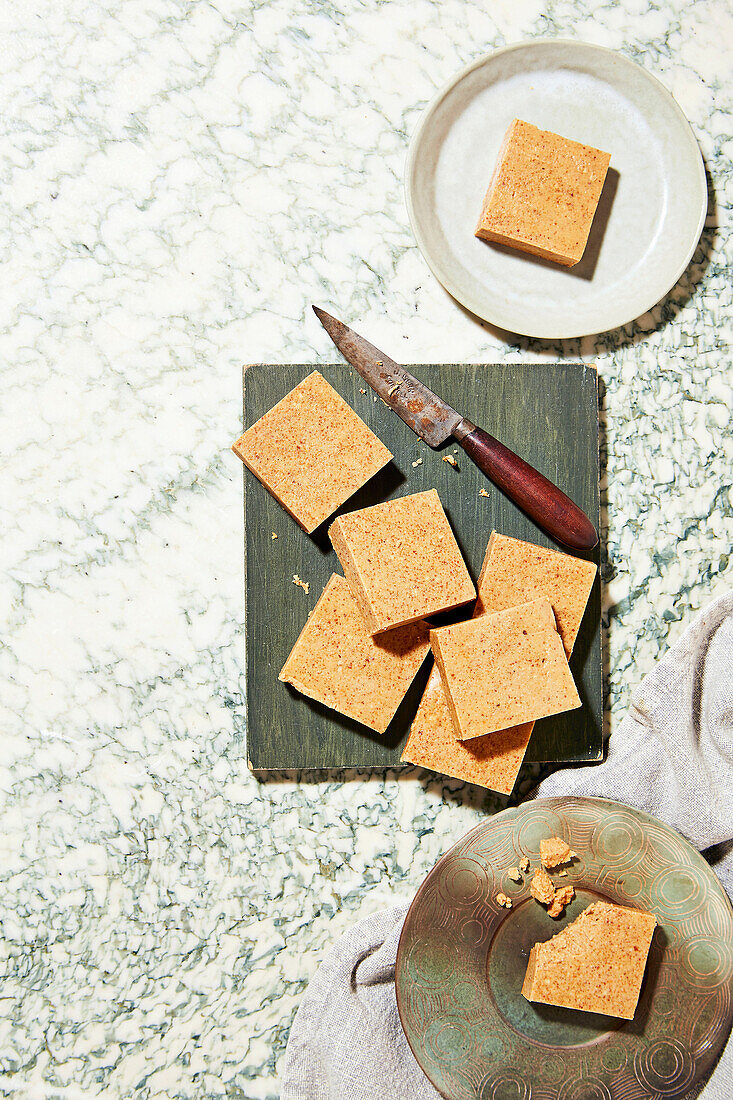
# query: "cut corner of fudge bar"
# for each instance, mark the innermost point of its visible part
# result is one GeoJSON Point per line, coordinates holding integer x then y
{"type": "Point", "coordinates": [595, 964]}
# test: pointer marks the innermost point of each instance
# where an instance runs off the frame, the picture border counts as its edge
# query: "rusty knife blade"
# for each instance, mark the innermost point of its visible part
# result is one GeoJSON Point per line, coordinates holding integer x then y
{"type": "Point", "coordinates": [422, 410]}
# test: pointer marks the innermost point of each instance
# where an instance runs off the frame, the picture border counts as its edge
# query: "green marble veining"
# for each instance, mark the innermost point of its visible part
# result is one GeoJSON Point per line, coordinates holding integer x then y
{"type": "Point", "coordinates": [180, 182]}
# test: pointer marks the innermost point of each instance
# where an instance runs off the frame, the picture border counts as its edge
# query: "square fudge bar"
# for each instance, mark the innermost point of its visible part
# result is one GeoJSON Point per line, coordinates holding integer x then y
{"type": "Point", "coordinates": [491, 761]}
{"type": "Point", "coordinates": [311, 451]}
{"type": "Point", "coordinates": [401, 560]}
{"type": "Point", "coordinates": [543, 194]}
{"type": "Point", "coordinates": [337, 662]}
{"type": "Point", "coordinates": [513, 572]}
{"type": "Point", "coordinates": [503, 670]}
{"type": "Point", "coordinates": [595, 964]}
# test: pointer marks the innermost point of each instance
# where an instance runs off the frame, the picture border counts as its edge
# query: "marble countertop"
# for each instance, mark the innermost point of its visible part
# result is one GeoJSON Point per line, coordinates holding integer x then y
{"type": "Point", "coordinates": [179, 182]}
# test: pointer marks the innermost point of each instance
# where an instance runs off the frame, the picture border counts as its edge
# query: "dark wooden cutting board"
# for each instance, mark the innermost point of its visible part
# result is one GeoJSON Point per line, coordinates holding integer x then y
{"type": "Point", "coordinates": [548, 413]}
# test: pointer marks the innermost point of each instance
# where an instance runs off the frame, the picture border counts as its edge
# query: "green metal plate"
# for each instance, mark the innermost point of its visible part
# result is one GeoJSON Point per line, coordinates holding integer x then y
{"type": "Point", "coordinates": [462, 959]}
{"type": "Point", "coordinates": [548, 413]}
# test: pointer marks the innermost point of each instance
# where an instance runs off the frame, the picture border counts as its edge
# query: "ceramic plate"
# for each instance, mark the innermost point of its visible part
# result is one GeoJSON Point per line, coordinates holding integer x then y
{"type": "Point", "coordinates": [462, 958]}
{"type": "Point", "coordinates": [651, 212]}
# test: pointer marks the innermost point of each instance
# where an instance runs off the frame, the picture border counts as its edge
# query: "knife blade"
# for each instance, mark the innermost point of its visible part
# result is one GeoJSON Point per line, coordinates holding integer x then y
{"type": "Point", "coordinates": [433, 420]}
{"type": "Point", "coordinates": [422, 410]}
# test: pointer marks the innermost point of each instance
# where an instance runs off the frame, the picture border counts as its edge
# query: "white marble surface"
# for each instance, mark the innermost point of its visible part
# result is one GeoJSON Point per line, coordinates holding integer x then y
{"type": "Point", "coordinates": [179, 182]}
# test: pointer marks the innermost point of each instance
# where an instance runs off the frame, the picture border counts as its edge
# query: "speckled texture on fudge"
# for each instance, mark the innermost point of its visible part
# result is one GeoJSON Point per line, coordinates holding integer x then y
{"type": "Point", "coordinates": [543, 194]}
{"type": "Point", "coordinates": [504, 669]}
{"type": "Point", "coordinates": [402, 559]}
{"type": "Point", "coordinates": [513, 572]}
{"type": "Point", "coordinates": [491, 761]}
{"type": "Point", "coordinates": [337, 661]}
{"type": "Point", "coordinates": [312, 451]}
{"type": "Point", "coordinates": [595, 964]}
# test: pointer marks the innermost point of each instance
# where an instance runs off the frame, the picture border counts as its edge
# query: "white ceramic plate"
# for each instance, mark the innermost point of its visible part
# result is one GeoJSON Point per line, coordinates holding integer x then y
{"type": "Point", "coordinates": [651, 212]}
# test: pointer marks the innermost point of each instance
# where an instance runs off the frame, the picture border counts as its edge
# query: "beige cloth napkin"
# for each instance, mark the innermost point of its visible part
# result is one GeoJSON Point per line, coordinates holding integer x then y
{"type": "Point", "coordinates": [671, 756]}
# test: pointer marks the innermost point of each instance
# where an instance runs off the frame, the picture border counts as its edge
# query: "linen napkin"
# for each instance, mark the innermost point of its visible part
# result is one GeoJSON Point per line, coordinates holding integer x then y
{"type": "Point", "coordinates": [672, 756]}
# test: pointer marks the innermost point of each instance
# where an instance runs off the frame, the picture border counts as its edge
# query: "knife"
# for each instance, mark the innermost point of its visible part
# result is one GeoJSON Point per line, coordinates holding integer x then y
{"type": "Point", "coordinates": [434, 421]}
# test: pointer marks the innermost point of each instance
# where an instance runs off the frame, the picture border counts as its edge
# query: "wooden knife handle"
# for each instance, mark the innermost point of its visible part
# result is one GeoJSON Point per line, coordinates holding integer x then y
{"type": "Point", "coordinates": [543, 502]}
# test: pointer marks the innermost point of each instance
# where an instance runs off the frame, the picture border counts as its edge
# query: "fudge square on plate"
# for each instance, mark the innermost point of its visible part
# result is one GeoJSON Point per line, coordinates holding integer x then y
{"type": "Point", "coordinates": [311, 451]}
{"type": "Point", "coordinates": [513, 572]}
{"type": "Point", "coordinates": [337, 662]}
{"type": "Point", "coordinates": [401, 560]}
{"type": "Point", "coordinates": [595, 964]}
{"type": "Point", "coordinates": [543, 194]}
{"type": "Point", "coordinates": [504, 669]}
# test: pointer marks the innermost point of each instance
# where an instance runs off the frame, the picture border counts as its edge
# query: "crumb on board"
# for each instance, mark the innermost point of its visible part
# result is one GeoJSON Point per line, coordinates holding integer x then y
{"type": "Point", "coordinates": [274, 535]}
{"type": "Point", "coordinates": [451, 460]}
{"type": "Point", "coordinates": [524, 864]}
{"type": "Point", "coordinates": [362, 391]}
{"type": "Point", "coordinates": [305, 585]}
{"type": "Point", "coordinates": [483, 493]}
{"type": "Point", "coordinates": [418, 462]}
{"type": "Point", "coordinates": [562, 898]}
{"type": "Point", "coordinates": [562, 874]}
{"type": "Point", "coordinates": [502, 899]}
{"type": "Point", "coordinates": [514, 874]}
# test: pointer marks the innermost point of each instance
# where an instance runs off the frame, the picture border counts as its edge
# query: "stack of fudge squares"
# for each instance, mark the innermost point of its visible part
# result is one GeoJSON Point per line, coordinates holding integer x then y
{"type": "Point", "coordinates": [496, 672]}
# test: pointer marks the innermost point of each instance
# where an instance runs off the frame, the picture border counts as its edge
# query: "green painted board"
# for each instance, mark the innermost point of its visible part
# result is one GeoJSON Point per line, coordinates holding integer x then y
{"type": "Point", "coordinates": [548, 413]}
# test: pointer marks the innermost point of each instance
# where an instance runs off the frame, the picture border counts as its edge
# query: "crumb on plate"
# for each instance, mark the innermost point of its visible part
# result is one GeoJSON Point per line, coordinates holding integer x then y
{"type": "Point", "coordinates": [555, 851]}
{"type": "Point", "coordinates": [562, 898]}
{"type": "Point", "coordinates": [541, 887]}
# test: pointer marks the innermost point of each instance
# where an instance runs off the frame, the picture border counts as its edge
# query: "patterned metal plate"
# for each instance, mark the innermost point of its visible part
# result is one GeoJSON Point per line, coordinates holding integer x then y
{"type": "Point", "coordinates": [462, 958]}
